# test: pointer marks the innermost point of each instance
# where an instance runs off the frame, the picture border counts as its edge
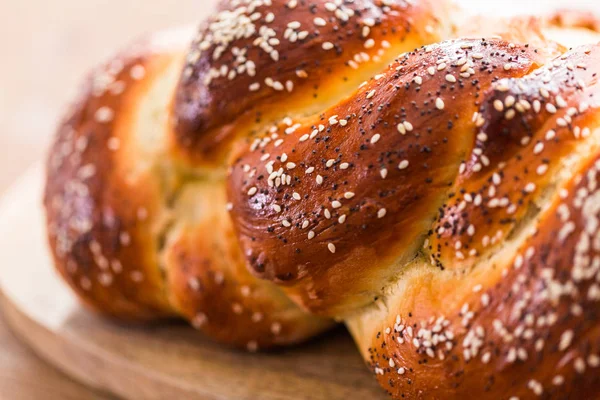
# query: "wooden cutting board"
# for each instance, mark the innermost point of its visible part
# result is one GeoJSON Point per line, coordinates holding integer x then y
{"type": "Point", "coordinates": [166, 361]}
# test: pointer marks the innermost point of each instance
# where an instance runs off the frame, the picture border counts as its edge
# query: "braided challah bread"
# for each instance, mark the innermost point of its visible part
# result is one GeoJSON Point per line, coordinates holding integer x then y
{"type": "Point", "coordinates": [426, 176]}
{"type": "Point", "coordinates": [136, 235]}
{"type": "Point", "coordinates": [136, 198]}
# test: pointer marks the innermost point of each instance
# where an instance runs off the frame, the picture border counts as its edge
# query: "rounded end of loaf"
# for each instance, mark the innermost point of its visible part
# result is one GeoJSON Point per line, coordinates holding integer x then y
{"type": "Point", "coordinates": [135, 235]}
{"type": "Point", "coordinates": [102, 199]}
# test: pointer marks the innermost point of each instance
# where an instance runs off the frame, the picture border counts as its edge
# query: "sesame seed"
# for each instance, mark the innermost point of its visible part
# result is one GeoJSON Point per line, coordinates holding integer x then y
{"type": "Point", "coordinates": [541, 169]}
{"type": "Point", "coordinates": [558, 380]}
{"type": "Point", "coordinates": [565, 340]}
{"type": "Point", "coordinates": [439, 103]}
{"type": "Point", "coordinates": [450, 78]}
{"type": "Point", "coordinates": [278, 86]}
{"type": "Point", "coordinates": [320, 21]}
{"type": "Point", "coordinates": [509, 101]}
{"type": "Point", "coordinates": [329, 6]}
{"type": "Point", "coordinates": [199, 320]}
{"type": "Point", "coordinates": [486, 357]}
{"type": "Point", "coordinates": [530, 187]}
{"type": "Point", "coordinates": [550, 108]}
{"type": "Point", "coordinates": [104, 115]}
{"type": "Point", "coordinates": [536, 387]}
{"type": "Point", "coordinates": [485, 299]}
{"type": "Point", "coordinates": [114, 144]}
{"type": "Point", "coordinates": [579, 365]}
{"type": "Point", "coordinates": [331, 247]}
{"type": "Point", "coordinates": [289, 85]}
{"type": "Point", "coordinates": [275, 328]}
{"type": "Point", "coordinates": [137, 72]}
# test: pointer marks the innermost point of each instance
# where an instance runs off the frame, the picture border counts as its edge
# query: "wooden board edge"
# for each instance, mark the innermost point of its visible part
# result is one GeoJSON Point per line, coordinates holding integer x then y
{"type": "Point", "coordinates": [91, 368]}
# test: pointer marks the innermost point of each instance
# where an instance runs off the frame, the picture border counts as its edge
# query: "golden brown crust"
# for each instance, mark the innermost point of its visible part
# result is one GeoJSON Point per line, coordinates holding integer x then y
{"type": "Point", "coordinates": [253, 55]}
{"type": "Point", "coordinates": [507, 307]}
{"type": "Point", "coordinates": [98, 230]}
{"type": "Point", "coordinates": [365, 178]}
{"type": "Point", "coordinates": [526, 129]}
{"type": "Point", "coordinates": [210, 285]}
{"type": "Point", "coordinates": [123, 230]}
{"type": "Point", "coordinates": [521, 325]}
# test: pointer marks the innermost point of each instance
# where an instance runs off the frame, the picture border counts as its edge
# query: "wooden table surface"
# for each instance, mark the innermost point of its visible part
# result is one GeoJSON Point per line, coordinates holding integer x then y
{"type": "Point", "coordinates": [47, 48]}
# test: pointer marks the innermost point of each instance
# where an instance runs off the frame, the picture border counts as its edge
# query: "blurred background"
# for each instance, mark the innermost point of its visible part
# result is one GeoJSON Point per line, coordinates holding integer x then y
{"type": "Point", "coordinates": [47, 47]}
